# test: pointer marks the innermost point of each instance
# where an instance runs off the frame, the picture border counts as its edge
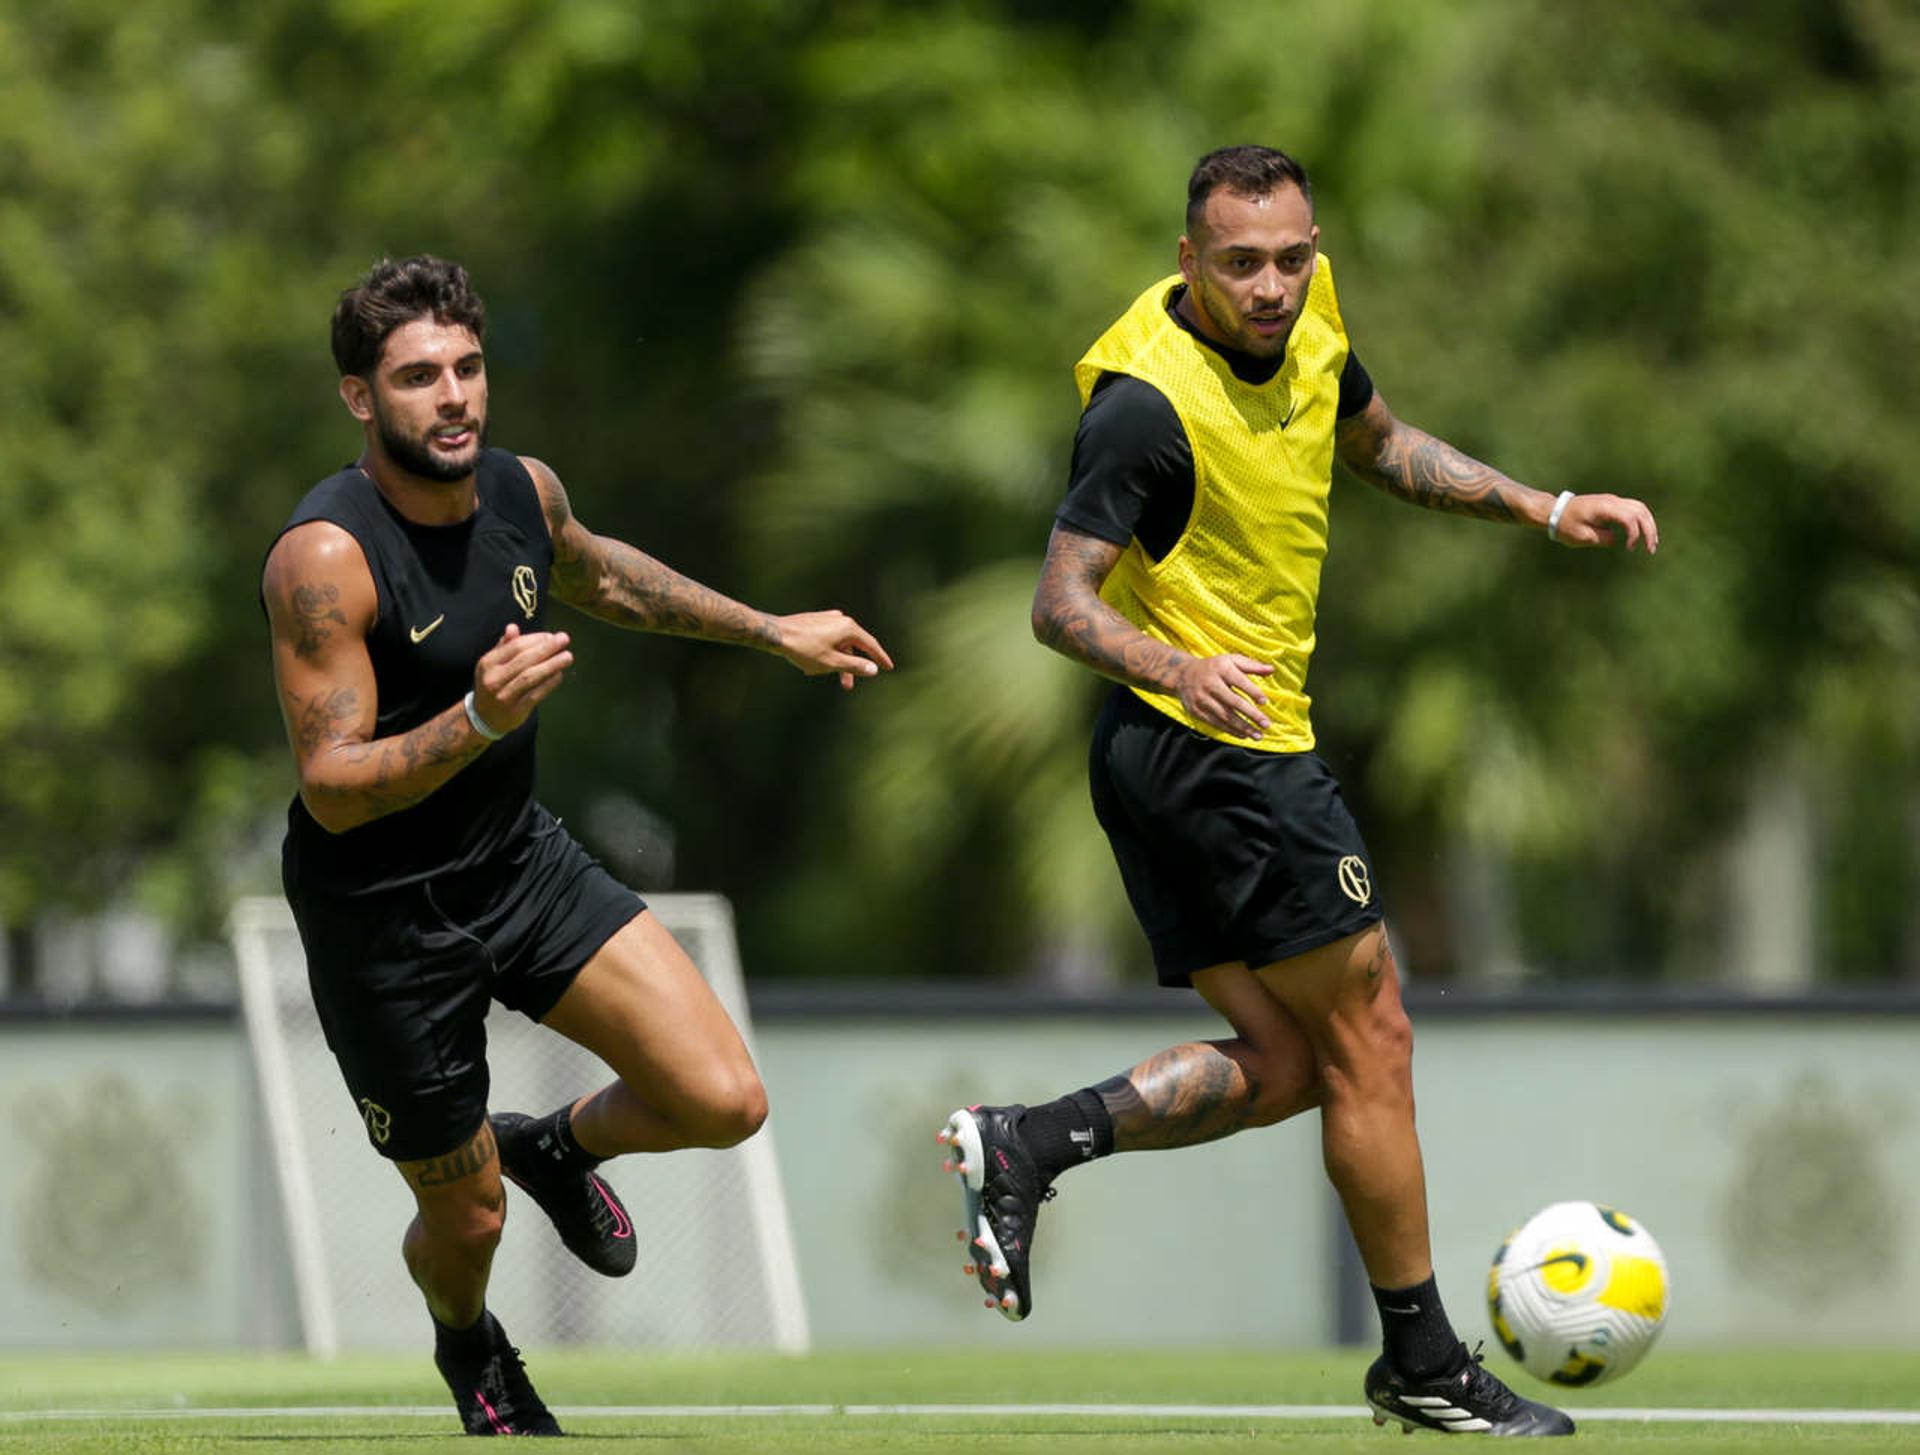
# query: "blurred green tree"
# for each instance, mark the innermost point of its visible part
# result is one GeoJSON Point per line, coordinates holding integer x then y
{"type": "Point", "coordinates": [788, 293]}
{"type": "Point", "coordinates": [185, 187]}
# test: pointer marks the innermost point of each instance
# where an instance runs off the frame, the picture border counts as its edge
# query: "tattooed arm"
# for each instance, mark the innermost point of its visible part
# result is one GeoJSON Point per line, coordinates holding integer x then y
{"type": "Point", "coordinates": [618, 583]}
{"type": "Point", "coordinates": [321, 604]}
{"type": "Point", "coordinates": [1412, 465]}
{"type": "Point", "coordinates": [1070, 617]}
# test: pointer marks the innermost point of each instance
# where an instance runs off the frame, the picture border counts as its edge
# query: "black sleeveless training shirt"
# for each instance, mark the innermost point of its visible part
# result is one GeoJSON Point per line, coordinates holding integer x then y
{"type": "Point", "coordinates": [446, 592]}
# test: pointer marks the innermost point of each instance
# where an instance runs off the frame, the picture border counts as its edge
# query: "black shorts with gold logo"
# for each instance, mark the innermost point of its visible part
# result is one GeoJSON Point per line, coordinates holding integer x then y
{"type": "Point", "coordinates": [402, 977]}
{"type": "Point", "coordinates": [1227, 854]}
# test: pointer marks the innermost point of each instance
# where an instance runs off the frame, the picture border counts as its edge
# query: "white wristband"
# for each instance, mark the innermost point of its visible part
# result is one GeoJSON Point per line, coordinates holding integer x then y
{"type": "Point", "coordinates": [480, 727]}
{"type": "Point", "coordinates": [1553, 518]}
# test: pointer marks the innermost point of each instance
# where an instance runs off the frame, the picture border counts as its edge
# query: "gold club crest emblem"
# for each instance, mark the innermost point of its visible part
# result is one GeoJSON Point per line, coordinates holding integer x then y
{"type": "Point", "coordinates": [525, 591]}
{"type": "Point", "coordinates": [379, 1120]}
{"type": "Point", "coordinates": [1355, 882]}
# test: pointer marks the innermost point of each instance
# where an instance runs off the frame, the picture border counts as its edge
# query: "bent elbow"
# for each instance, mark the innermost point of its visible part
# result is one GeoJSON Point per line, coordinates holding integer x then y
{"type": "Point", "coordinates": [1041, 620]}
{"type": "Point", "coordinates": [327, 810]}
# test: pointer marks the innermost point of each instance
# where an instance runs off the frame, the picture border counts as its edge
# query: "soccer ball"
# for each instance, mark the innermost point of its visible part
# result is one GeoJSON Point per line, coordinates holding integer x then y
{"type": "Point", "coordinates": [1578, 1293]}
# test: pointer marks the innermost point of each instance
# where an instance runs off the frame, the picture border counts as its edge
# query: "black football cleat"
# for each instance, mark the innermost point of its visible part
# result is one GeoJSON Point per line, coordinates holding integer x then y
{"type": "Point", "coordinates": [1001, 1191]}
{"type": "Point", "coordinates": [1464, 1401]}
{"type": "Point", "coordinates": [494, 1395]}
{"type": "Point", "coordinates": [588, 1214]}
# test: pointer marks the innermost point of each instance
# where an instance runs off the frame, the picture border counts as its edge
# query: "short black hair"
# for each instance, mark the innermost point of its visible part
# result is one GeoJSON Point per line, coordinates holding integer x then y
{"type": "Point", "coordinates": [394, 294]}
{"type": "Point", "coordinates": [1245, 171]}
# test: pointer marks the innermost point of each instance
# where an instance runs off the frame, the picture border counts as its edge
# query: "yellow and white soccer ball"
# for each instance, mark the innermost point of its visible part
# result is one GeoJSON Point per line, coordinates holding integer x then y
{"type": "Point", "coordinates": [1578, 1293]}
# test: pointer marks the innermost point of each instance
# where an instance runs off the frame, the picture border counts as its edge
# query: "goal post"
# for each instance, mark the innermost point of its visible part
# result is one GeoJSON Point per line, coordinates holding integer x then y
{"type": "Point", "coordinates": [717, 1264]}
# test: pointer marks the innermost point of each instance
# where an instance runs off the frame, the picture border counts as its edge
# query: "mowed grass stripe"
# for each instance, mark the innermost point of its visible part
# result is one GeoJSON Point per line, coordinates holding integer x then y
{"type": "Point", "coordinates": [980, 1411]}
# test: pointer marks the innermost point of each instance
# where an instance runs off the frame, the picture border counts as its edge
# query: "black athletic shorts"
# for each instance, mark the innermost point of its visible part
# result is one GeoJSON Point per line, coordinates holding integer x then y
{"type": "Point", "coordinates": [402, 977]}
{"type": "Point", "coordinates": [1227, 853]}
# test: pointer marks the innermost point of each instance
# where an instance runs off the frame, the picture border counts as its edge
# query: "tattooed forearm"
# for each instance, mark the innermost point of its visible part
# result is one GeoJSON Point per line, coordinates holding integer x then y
{"type": "Point", "coordinates": [1070, 617]}
{"type": "Point", "coordinates": [1414, 466]}
{"type": "Point", "coordinates": [459, 1163]}
{"type": "Point", "coordinates": [619, 583]}
{"type": "Point", "coordinates": [626, 586]}
{"type": "Point", "coordinates": [348, 782]}
{"type": "Point", "coordinates": [316, 611]}
{"type": "Point", "coordinates": [1182, 1097]}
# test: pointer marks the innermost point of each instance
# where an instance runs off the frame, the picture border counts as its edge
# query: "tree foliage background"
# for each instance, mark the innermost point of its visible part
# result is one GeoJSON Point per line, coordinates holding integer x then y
{"type": "Point", "coordinates": [788, 292]}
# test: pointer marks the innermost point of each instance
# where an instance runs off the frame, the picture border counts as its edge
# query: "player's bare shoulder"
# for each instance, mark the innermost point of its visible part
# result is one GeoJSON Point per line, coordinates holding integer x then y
{"type": "Point", "coordinates": [553, 495]}
{"type": "Point", "coordinates": [318, 587]}
{"type": "Point", "coordinates": [575, 568]}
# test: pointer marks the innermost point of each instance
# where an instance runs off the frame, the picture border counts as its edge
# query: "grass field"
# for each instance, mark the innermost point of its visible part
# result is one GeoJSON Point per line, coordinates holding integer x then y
{"type": "Point", "coordinates": [226, 1404]}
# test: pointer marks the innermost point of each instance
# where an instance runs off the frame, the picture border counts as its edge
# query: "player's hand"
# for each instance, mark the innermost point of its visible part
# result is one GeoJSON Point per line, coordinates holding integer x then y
{"type": "Point", "coordinates": [1591, 520]}
{"type": "Point", "coordinates": [818, 642]}
{"type": "Point", "coordinates": [517, 674]}
{"type": "Point", "coordinates": [1220, 692]}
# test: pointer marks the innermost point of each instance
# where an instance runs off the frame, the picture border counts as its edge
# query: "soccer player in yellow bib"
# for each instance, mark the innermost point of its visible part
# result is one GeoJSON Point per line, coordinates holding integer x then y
{"type": "Point", "coordinates": [1185, 566]}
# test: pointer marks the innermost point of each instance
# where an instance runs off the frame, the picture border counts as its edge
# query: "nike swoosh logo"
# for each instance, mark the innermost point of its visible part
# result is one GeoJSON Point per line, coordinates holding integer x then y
{"type": "Point", "coordinates": [621, 1227]}
{"type": "Point", "coordinates": [1577, 1260]}
{"type": "Point", "coordinates": [420, 633]}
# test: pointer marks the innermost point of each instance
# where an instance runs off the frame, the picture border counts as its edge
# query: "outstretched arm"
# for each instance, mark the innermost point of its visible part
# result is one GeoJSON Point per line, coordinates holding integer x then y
{"type": "Point", "coordinates": [621, 584]}
{"type": "Point", "coordinates": [321, 604]}
{"type": "Point", "coordinates": [1414, 466]}
{"type": "Point", "coordinates": [1070, 617]}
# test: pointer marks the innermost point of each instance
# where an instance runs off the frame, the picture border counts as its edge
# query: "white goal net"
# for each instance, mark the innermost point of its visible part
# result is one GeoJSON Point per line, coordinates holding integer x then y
{"type": "Point", "coordinates": [716, 1255]}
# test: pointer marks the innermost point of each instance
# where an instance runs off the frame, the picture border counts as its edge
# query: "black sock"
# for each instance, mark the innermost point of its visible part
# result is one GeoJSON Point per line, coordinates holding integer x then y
{"type": "Point", "coordinates": [553, 1136]}
{"type": "Point", "coordinates": [471, 1343]}
{"type": "Point", "coordinates": [1420, 1343]}
{"type": "Point", "coordinates": [1067, 1132]}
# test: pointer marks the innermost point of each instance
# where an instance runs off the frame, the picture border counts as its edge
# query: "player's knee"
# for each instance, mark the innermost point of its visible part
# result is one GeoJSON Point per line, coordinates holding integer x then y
{"type": "Point", "coordinates": [477, 1225]}
{"type": "Point", "coordinates": [1386, 1073]}
{"type": "Point", "coordinates": [745, 1112]}
{"type": "Point", "coordinates": [1370, 1057]}
{"type": "Point", "coordinates": [1390, 1036]}
{"type": "Point", "coordinates": [470, 1228]}
{"type": "Point", "coordinates": [731, 1109]}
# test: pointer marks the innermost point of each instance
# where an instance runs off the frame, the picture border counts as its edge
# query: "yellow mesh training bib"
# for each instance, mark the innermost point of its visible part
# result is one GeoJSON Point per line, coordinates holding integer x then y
{"type": "Point", "coordinates": [1245, 575]}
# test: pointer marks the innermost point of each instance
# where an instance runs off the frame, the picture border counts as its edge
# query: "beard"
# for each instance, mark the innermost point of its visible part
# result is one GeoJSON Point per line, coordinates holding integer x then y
{"type": "Point", "coordinates": [1229, 322]}
{"type": "Point", "coordinates": [417, 456]}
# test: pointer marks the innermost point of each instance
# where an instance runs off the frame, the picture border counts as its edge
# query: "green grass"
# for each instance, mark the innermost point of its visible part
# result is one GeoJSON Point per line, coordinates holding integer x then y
{"type": "Point", "coordinates": [1825, 1379]}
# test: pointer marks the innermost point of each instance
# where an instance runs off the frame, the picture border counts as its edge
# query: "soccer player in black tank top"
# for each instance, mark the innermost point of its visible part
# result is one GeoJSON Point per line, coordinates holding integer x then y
{"type": "Point", "coordinates": [407, 602]}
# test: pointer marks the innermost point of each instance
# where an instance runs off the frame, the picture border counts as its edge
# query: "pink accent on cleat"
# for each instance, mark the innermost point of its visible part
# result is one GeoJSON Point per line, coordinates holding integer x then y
{"type": "Point", "coordinates": [500, 1426]}
{"type": "Point", "coordinates": [622, 1229]}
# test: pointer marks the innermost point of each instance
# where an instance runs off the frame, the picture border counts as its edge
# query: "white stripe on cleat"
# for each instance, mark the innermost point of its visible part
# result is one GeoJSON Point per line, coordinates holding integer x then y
{"type": "Point", "coordinates": [962, 1133]}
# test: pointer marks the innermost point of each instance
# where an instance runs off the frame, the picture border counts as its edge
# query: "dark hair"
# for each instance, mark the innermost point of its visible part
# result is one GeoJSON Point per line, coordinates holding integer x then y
{"type": "Point", "coordinates": [395, 294]}
{"type": "Point", "coordinates": [1244, 171]}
